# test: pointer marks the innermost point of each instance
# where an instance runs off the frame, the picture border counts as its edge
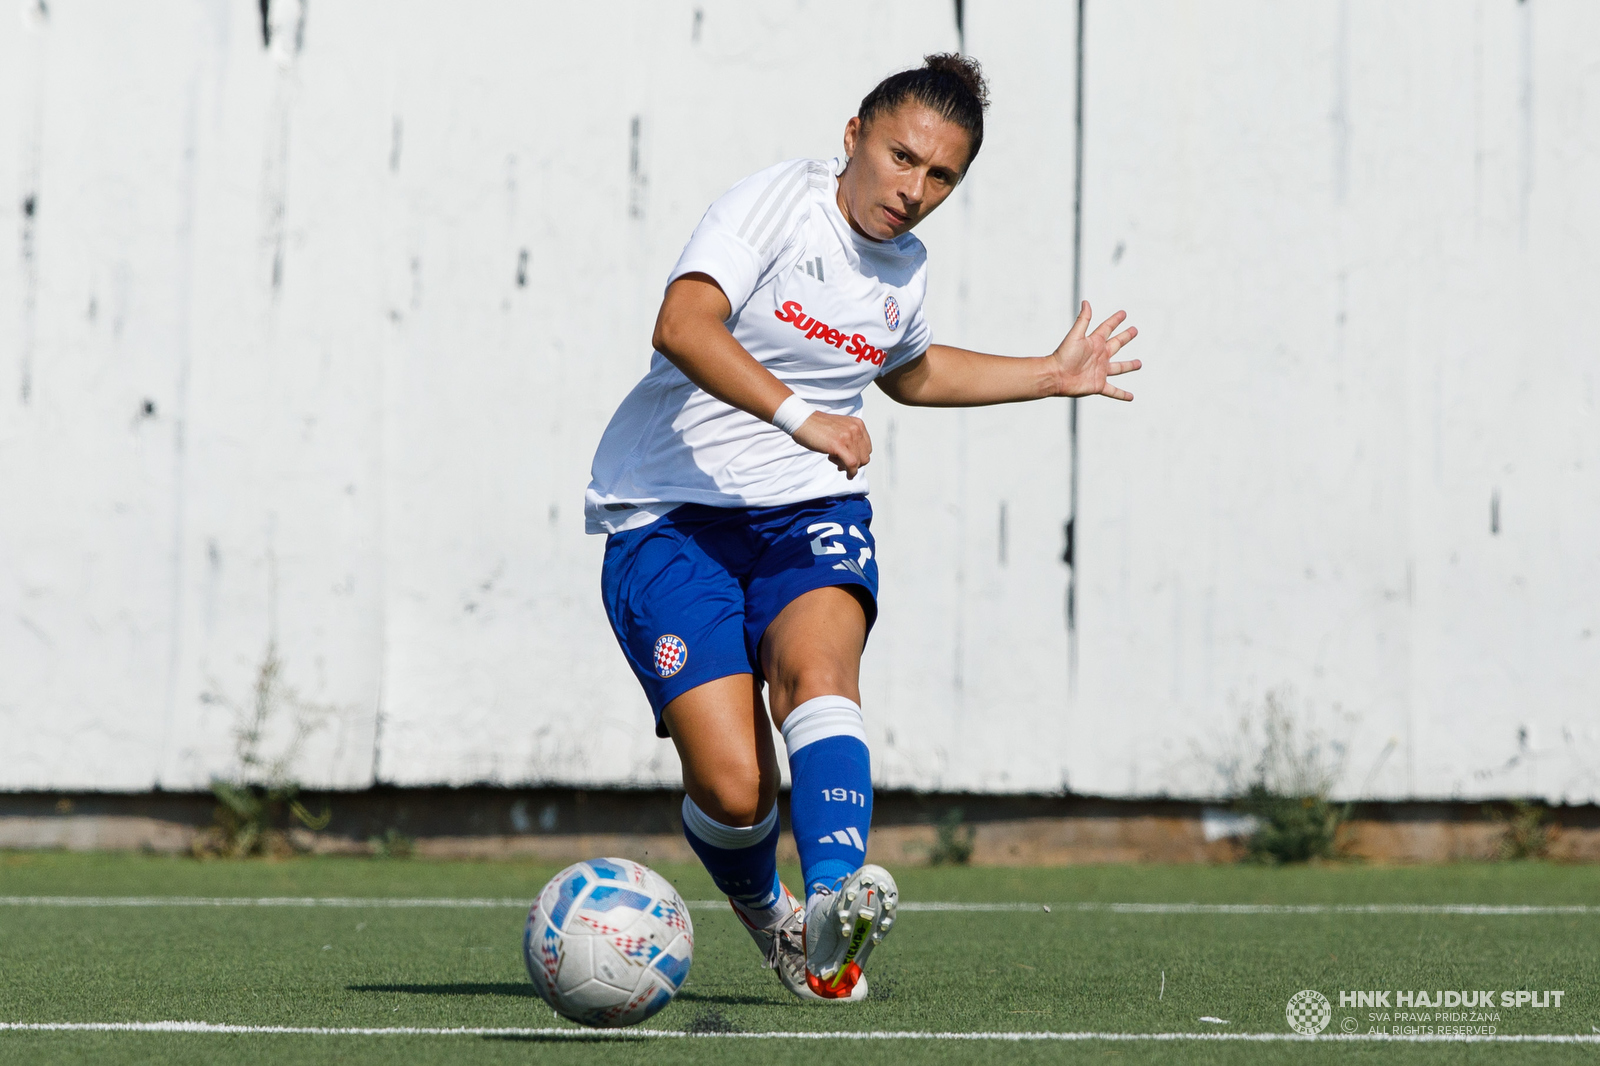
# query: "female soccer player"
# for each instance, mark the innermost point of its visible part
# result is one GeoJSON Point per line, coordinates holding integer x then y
{"type": "Point", "coordinates": [740, 545]}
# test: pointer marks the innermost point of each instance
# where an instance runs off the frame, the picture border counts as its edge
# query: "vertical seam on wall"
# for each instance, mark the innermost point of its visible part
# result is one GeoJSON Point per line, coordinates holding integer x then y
{"type": "Point", "coordinates": [1072, 423]}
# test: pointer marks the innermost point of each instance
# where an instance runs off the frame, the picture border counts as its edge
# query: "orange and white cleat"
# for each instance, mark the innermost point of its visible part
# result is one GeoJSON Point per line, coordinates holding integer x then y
{"type": "Point", "coordinates": [841, 929]}
{"type": "Point", "coordinates": [783, 945]}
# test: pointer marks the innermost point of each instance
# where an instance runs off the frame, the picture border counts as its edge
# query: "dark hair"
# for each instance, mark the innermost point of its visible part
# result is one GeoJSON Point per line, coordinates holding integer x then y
{"type": "Point", "coordinates": [950, 85]}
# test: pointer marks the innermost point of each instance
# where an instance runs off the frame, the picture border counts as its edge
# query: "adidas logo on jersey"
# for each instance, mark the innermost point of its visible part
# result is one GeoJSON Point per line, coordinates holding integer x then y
{"type": "Point", "coordinates": [846, 836]}
{"type": "Point", "coordinates": [864, 352]}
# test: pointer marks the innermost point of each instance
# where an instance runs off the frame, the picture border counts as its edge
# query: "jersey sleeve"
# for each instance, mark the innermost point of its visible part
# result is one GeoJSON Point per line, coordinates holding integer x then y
{"type": "Point", "coordinates": [745, 230]}
{"type": "Point", "coordinates": [917, 337]}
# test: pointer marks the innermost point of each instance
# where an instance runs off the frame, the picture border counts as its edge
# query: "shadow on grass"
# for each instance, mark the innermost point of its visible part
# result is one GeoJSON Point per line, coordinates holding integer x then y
{"type": "Point", "coordinates": [731, 1001]}
{"type": "Point", "coordinates": [501, 988]}
{"type": "Point", "coordinates": [523, 990]}
{"type": "Point", "coordinates": [708, 1020]}
{"type": "Point", "coordinates": [711, 1020]}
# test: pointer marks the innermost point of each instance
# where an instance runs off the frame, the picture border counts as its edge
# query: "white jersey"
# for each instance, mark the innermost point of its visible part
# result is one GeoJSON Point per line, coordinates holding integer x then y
{"type": "Point", "coordinates": [823, 308]}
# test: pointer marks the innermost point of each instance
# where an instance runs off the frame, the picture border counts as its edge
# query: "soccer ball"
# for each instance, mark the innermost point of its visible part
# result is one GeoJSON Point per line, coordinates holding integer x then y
{"type": "Point", "coordinates": [608, 943]}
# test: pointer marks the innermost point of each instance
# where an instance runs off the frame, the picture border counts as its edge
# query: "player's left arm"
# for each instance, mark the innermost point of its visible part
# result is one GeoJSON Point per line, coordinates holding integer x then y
{"type": "Point", "coordinates": [953, 377]}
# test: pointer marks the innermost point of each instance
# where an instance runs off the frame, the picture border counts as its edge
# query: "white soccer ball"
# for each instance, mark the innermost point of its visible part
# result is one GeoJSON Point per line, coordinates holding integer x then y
{"type": "Point", "coordinates": [608, 942]}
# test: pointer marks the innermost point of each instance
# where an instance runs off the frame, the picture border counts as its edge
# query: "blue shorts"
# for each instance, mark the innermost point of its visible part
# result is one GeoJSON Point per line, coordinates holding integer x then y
{"type": "Point", "coordinates": [691, 594]}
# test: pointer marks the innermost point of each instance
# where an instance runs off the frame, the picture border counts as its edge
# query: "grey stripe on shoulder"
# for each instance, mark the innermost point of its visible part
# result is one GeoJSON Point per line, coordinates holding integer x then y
{"type": "Point", "coordinates": [766, 195]}
{"type": "Point", "coordinates": [816, 178]}
{"type": "Point", "coordinates": [782, 206]}
{"type": "Point", "coordinates": [782, 225]}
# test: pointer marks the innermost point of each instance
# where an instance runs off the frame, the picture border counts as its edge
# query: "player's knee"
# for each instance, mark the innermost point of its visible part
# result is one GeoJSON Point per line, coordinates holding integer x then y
{"type": "Point", "coordinates": [793, 687]}
{"type": "Point", "coordinates": [737, 799]}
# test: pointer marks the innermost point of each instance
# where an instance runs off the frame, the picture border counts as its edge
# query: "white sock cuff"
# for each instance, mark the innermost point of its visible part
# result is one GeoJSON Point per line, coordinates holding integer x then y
{"type": "Point", "coordinates": [821, 718]}
{"type": "Point", "coordinates": [727, 837]}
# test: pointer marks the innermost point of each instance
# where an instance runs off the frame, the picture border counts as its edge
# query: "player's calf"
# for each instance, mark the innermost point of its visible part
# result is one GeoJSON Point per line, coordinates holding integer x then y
{"type": "Point", "coordinates": [830, 804]}
{"type": "Point", "coordinates": [742, 860]}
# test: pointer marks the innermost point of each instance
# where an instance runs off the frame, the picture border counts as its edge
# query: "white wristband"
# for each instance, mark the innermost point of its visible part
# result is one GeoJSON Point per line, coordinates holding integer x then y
{"type": "Point", "coordinates": [791, 413]}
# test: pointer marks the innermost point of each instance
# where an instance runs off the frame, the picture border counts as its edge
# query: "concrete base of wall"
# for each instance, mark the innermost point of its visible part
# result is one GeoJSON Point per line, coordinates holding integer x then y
{"type": "Point", "coordinates": [566, 824]}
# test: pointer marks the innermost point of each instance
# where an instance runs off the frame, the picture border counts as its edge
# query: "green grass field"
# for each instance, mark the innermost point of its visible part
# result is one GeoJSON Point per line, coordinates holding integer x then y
{"type": "Point", "coordinates": [1067, 970]}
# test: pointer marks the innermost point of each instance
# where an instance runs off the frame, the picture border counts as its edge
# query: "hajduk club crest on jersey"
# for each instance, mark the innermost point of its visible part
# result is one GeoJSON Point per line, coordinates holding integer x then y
{"type": "Point", "coordinates": [671, 654]}
{"type": "Point", "coordinates": [891, 313]}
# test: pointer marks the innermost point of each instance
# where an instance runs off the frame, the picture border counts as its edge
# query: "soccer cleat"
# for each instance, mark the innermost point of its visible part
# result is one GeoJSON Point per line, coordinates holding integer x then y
{"type": "Point", "coordinates": [783, 945]}
{"type": "Point", "coordinates": [842, 927]}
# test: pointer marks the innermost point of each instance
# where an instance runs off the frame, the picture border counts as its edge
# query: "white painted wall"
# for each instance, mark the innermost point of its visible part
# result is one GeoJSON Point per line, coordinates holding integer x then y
{"type": "Point", "coordinates": [1357, 238]}
{"type": "Point", "coordinates": [1363, 239]}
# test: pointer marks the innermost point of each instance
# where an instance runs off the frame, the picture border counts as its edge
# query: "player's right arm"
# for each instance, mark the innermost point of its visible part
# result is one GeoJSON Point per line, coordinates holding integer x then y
{"type": "Point", "coordinates": [692, 332]}
{"type": "Point", "coordinates": [944, 376]}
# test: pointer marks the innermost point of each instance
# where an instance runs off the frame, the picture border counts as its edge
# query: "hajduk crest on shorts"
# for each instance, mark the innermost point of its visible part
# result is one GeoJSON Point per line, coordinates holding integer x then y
{"type": "Point", "coordinates": [671, 654]}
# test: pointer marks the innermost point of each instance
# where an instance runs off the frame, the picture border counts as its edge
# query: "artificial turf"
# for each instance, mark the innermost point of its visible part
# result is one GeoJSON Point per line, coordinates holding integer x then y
{"type": "Point", "coordinates": [1063, 970]}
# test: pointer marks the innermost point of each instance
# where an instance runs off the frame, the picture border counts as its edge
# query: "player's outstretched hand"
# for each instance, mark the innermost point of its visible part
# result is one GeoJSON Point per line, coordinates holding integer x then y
{"type": "Point", "coordinates": [1084, 358]}
{"type": "Point", "coordinates": [842, 438]}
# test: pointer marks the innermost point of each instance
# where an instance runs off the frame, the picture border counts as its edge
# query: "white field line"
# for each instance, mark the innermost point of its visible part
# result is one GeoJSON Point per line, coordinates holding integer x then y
{"type": "Point", "coordinates": [909, 905]}
{"type": "Point", "coordinates": [1263, 908]}
{"type": "Point", "coordinates": [266, 901]}
{"type": "Point", "coordinates": [643, 1034]}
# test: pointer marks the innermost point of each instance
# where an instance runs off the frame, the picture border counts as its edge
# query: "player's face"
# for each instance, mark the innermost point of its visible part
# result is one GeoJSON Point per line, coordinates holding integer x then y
{"type": "Point", "coordinates": [902, 166]}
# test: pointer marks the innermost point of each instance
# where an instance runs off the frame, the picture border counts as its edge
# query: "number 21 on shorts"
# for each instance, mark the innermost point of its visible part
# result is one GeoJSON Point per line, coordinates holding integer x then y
{"type": "Point", "coordinates": [820, 544]}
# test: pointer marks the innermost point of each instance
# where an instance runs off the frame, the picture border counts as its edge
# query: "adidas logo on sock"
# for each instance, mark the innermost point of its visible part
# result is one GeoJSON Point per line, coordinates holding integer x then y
{"type": "Point", "coordinates": [846, 836]}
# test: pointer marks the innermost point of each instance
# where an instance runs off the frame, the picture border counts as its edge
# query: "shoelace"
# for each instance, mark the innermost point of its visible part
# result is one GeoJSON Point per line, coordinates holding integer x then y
{"type": "Point", "coordinates": [785, 937]}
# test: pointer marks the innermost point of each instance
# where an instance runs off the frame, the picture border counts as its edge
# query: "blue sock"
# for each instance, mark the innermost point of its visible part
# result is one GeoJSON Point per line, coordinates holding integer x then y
{"type": "Point", "coordinates": [742, 861]}
{"type": "Point", "coordinates": [830, 807]}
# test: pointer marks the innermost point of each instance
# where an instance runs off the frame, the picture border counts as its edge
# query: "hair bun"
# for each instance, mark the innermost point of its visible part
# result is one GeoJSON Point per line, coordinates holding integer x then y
{"type": "Point", "coordinates": [964, 68]}
{"type": "Point", "coordinates": [951, 85]}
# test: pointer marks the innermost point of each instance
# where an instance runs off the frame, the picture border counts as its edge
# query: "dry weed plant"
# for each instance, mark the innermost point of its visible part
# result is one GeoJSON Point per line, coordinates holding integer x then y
{"type": "Point", "coordinates": [1527, 831]}
{"type": "Point", "coordinates": [1281, 773]}
{"type": "Point", "coordinates": [257, 802]}
{"type": "Point", "coordinates": [953, 840]}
